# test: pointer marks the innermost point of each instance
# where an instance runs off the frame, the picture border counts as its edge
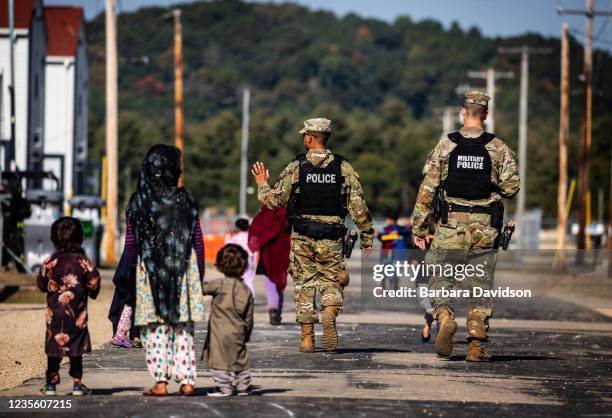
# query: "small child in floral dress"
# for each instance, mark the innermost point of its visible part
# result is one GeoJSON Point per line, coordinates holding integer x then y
{"type": "Point", "coordinates": [68, 277]}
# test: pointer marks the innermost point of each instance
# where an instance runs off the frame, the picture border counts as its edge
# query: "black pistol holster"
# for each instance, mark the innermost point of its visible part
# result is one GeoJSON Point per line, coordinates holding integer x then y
{"type": "Point", "coordinates": [497, 222]}
{"type": "Point", "coordinates": [497, 215]}
{"type": "Point", "coordinates": [440, 206]}
{"type": "Point", "coordinates": [348, 242]}
{"type": "Point", "coordinates": [505, 237]}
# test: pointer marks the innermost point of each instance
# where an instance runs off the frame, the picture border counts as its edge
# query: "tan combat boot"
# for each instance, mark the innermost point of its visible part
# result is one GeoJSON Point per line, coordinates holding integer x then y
{"type": "Point", "coordinates": [307, 338]}
{"type": "Point", "coordinates": [477, 352]}
{"type": "Point", "coordinates": [477, 325]}
{"type": "Point", "coordinates": [448, 327]}
{"type": "Point", "coordinates": [330, 336]}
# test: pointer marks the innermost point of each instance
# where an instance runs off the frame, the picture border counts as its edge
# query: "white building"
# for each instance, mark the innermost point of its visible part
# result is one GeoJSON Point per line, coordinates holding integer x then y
{"type": "Point", "coordinates": [29, 52]}
{"type": "Point", "coordinates": [66, 97]}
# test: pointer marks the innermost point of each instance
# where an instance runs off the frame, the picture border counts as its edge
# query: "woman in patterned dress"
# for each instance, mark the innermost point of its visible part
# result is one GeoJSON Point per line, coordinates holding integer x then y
{"type": "Point", "coordinates": [164, 241]}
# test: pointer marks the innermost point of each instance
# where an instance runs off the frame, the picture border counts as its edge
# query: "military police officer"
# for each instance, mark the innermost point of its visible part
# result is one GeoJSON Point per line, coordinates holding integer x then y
{"type": "Point", "coordinates": [470, 171]}
{"type": "Point", "coordinates": [319, 188]}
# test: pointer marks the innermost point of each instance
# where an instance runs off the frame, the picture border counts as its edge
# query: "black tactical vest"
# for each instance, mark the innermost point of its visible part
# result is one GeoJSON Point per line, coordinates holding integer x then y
{"type": "Point", "coordinates": [469, 167]}
{"type": "Point", "coordinates": [320, 189]}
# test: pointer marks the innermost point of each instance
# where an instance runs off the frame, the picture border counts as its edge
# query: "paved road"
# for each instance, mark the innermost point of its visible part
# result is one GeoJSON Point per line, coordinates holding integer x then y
{"type": "Point", "coordinates": [543, 365]}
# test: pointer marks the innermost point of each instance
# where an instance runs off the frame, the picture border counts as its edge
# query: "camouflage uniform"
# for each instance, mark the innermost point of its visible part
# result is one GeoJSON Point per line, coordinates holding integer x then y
{"type": "Point", "coordinates": [466, 237]}
{"type": "Point", "coordinates": [319, 264]}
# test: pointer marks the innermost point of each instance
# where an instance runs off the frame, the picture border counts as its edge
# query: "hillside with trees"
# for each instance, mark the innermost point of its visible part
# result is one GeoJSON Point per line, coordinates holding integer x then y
{"type": "Point", "coordinates": [383, 85]}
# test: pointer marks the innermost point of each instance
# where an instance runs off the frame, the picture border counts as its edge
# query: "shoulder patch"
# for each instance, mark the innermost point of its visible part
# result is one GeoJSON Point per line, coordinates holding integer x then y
{"type": "Point", "coordinates": [288, 171]}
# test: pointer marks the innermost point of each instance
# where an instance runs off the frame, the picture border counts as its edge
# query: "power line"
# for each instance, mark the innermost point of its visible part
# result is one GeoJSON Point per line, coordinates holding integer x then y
{"type": "Point", "coordinates": [595, 38]}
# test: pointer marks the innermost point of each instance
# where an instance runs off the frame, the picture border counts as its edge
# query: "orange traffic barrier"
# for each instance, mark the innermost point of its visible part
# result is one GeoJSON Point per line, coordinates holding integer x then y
{"type": "Point", "coordinates": [212, 245]}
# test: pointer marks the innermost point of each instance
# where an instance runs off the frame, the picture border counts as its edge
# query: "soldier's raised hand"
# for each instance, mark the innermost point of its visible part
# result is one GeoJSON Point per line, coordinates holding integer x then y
{"type": "Point", "coordinates": [260, 172]}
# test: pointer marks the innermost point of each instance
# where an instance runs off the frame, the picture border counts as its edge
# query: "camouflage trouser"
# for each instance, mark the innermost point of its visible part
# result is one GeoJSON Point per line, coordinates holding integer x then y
{"type": "Point", "coordinates": [467, 239]}
{"type": "Point", "coordinates": [315, 265]}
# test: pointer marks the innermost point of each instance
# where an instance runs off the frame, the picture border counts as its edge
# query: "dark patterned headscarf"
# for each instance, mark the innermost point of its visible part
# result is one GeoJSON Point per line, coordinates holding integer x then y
{"type": "Point", "coordinates": [164, 217]}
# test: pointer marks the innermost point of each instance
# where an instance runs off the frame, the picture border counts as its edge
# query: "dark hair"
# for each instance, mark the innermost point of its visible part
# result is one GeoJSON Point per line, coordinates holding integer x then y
{"type": "Point", "coordinates": [393, 216]}
{"type": "Point", "coordinates": [474, 110]}
{"type": "Point", "coordinates": [322, 137]}
{"type": "Point", "coordinates": [232, 260]}
{"type": "Point", "coordinates": [67, 234]}
{"type": "Point", "coordinates": [242, 224]}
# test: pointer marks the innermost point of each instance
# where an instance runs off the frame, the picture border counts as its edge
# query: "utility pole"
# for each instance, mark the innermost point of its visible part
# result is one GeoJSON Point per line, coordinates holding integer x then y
{"type": "Point", "coordinates": [111, 131]}
{"type": "Point", "coordinates": [10, 151]}
{"type": "Point", "coordinates": [525, 51]}
{"type": "Point", "coordinates": [585, 140]}
{"type": "Point", "coordinates": [179, 139]}
{"type": "Point", "coordinates": [563, 143]}
{"type": "Point", "coordinates": [244, 154]}
{"type": "Point", "coordinates": [491, 104]}
{"type": "Point", "coordinates": [490, 76]}
{"type": "Point", "coordinates": [448, 121]}
{"type": "Point", "coordinates": [610, 225]}
{"type": "Point", "coordinates": [563, 138]}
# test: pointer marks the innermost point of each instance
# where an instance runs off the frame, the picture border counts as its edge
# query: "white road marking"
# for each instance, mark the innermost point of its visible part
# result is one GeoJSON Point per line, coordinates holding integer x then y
{"type": "Point", "coordinates": [213, 410]}
{"type": "Point", "coordinates": [282, 408]}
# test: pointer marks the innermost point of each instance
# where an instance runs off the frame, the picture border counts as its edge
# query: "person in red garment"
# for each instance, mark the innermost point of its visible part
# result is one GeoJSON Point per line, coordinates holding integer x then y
{"type": "Point", "coordinates": [270, 234]}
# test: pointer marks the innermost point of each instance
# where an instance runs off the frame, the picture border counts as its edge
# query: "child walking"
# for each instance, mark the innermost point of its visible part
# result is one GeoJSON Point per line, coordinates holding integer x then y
{"type": "Point", "coordinates": [230, 324]}
{"type": "Point", "coordinates": [121, 312]}
{"type": "Point", "coordinates": [68, 277]}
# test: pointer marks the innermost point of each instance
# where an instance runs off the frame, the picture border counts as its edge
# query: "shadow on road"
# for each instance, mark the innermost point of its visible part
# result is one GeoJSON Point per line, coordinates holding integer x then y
{"type": "Point", "coordinates": [256, 391]}
{"type": "Point", "coordinates": [7, 292]}
{"type": "Point", "coordinates": [201, 391]}
{"type": "Point", "coordinates": [371, 350]}
{"type": "Point", "coordinates": [111, 391]}
{"type": "Point", "coordinates": [523, 358]}
{"type": "Point", "coordinates": [509, 357]}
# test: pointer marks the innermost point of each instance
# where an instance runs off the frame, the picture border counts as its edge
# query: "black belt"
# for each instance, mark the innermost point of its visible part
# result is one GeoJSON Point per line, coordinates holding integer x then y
{"type": "Point", "coordinates": [317, 230]}
{"type": "Point", "coordinates": [468, 209]}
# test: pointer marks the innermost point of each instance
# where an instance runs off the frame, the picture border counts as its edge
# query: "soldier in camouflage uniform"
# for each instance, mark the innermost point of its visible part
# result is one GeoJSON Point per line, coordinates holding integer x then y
{"type": "Point", "coordinates": [314, 186]}
{"type": "Point", "coordinates": [476, 170]}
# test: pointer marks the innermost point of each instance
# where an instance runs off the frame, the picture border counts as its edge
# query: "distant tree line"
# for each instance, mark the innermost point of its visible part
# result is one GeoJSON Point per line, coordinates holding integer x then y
{"type": "Point", "coordinates": [382, 84]}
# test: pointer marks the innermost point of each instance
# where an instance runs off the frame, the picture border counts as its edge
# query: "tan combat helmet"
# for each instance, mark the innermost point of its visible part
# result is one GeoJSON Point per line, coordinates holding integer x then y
{"type": "Point", "coordinates": [316, 125]}
{"type": "Point", "coordinates": [476, 97]}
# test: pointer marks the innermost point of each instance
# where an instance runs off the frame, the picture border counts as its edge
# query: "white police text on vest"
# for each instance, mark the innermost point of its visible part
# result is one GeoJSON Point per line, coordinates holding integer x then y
{"type": "Point", "coordinates": [470, 161]}
{"type": "Point", "coordinates": [321, 178]}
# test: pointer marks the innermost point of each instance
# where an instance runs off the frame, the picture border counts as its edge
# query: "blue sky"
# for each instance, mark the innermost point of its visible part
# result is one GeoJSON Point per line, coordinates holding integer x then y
{"type": "Point", "coordinates": [493, 17]}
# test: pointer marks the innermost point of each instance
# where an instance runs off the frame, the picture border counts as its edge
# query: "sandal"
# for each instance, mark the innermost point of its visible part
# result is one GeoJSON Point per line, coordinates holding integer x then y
{"type": "Point", "coordinates": [153, 392]}
{"type": "Point", "coordinates": [120, 341]}
{"type": "Point", "coordinates": [183, 391]}
{"type": "Point", "coordinates": [425, 339]}
{"type": "Point", "coordinates": [428, 322]}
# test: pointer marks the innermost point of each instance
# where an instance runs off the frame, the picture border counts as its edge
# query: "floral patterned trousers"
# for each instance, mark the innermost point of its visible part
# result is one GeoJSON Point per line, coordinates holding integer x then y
{"type": "Point", "coordinates": [170, 352]}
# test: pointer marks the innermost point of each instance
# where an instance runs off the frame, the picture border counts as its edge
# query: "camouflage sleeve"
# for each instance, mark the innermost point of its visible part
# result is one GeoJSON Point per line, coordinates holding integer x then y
{"type": "Point", "coordinates": [276, 196]}
{"type": "Point", "coordinates": [423, 208]}
{"type": "Point", "coordinates": [509, 181]}
{"type": "Point", "coordinates": [357, 207]}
